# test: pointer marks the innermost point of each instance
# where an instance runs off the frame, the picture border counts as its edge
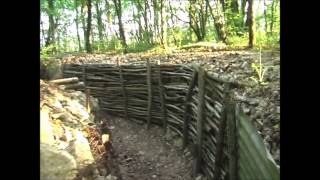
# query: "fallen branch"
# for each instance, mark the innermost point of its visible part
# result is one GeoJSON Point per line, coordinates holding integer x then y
{"type": "Point", "coordinates": [65, 80]}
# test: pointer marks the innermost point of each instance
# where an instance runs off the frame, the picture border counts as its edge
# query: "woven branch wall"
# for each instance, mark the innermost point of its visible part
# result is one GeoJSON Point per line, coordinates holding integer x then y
{"type": "Point", "coordinates": [183, 98]}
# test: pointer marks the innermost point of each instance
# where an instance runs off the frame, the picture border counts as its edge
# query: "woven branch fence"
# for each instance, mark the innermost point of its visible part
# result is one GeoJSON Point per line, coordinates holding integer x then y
{"type": "Point", "coordinates": [189, 101]}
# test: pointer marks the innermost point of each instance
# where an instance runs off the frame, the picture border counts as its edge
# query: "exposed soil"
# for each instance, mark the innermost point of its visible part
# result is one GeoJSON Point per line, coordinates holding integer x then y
{"type": "Point", "coordinates": [147, 154]}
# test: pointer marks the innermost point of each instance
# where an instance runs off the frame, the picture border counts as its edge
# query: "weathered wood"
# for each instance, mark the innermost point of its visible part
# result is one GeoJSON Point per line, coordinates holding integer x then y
{"type": "Point", "coordinates": [79, 85]}
{"type": "Point", "coordinates": [84, 74]}
{"type": "Point", "coordinates": [232, 139]}
{"type": "Point", "coordinates": [187, 109]}
{"type": "Point", "coordinates": [200, 119]}
{"type": "Point", "coordinates": [124, 93]}
{"type": "Point", "coordinates": [65, 80]}
{"type": "Point", "coordinates": [162, 98]}
{"type": "Point", "coordinates": [220, 147]}
{"type": "Point", "coordinates": [88, 100]}
{"type": "Point", "coordinates": [149, 93]}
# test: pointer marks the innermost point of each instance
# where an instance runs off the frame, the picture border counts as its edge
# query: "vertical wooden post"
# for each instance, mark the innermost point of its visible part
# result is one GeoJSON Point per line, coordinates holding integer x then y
{"type": "Point", "coordinates": [162, 99]}
{"type": "Point", "coordinates": [220, 147]}
{"type": "Point", "coordinates": [200, 118]}
{"type": "Point", "coordinates": [84, 75]}
{"type": "Point", "coordinates": [124, 93]}
{"type": "Point", "coordinates": [232, 139]}
{"type": "Point", "coordinates": [87, 92]}
{"type": "Point", "coordinates": [187, 108]}
{"type": "Point", "coordinates": [149, 93]}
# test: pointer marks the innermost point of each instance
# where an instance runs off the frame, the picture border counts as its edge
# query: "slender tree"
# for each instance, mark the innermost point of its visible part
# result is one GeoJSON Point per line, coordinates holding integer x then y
{"type": "Point", "coordinates": [88, 31]}
{"type": "Point", "coordinates": [100, 24]}
{"type": "Point", "coordinates": [117, 4]}
{"type": "Point", "coordinates": [198, 18]}
{"type": "Point", "coordinates": [251, 24]}
{"type": "Point", "coordinates": [218, 24]}
{"type": "Point", "coordinates": [77, 24]}
{"type": "Point", "coordinates": [52, 25]}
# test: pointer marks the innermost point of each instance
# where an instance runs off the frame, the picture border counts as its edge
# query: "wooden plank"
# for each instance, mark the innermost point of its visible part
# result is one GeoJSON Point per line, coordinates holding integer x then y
{"type": "Point", "coordinates": [200, 120]}
{"type": "Point", "coordinates": [149, 93]}
{"type": "Point", "coordinates": [162, 98]}
{"type": "Point", "coordinates": [124, 94]}
{"type": "Point", "coordinates": [187, 109]}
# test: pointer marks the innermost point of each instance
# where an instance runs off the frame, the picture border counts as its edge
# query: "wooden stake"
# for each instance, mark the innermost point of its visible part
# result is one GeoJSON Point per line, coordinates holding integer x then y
{"type": "Point", "coordinates": [88, 100]}
{"type": "Point", "coordinates": [200, 119]}
{"type": "Point", "coordinates": [162, 99]}
{"type": "Point", "coordinates": [187, 109]}
{"type": "Point", "coordinates": [220, 147]}
{"type": "Point", "coordinates": [232, 140]}
{"type": "Point", "coordinates": [124, 93]}
{"type": "Point", "coordinates": [149, 93]}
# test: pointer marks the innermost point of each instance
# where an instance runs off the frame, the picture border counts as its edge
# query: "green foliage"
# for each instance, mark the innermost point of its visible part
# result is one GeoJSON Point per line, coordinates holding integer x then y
{"type": "Point", "coordinates": [268, 40]}
{"type": "Point", "coordinates": [113, 44]}
{"type": "Point", "coordinates": [48, 51]}
{"type": "Point", "coordinates": [139, 47]}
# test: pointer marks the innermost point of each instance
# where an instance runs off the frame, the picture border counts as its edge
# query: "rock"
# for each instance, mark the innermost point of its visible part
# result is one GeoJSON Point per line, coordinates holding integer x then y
{"type": "Point", "coordinates": [178, 142]}
{"type": "Point", "coordinates": [110, 177]}
{"type": "Point", "coordinates": [246, 110]}
{"type": "Point", "coordinates": [254, 102]}
{"type": "Point", "coordinates": [46, 132]}
{"type": "Point", "coordinates": [263, 103]}
{"type": "Point", "coordinates": [244, 65]}
{"type": "Point", "coordinates": [81, 150]}
{"type": "Point", "coordinates": [199, 177]}
{"type": "Point", "coordinates": [58, 116]}
{"type": "Point", "coordinates": [56, 164]}
{"type": "Point", "coordinates": [154, 176]}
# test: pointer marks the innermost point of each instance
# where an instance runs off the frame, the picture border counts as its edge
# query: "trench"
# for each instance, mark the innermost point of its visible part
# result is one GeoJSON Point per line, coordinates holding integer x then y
{"type": "Point", "coordinates": [142, 104]}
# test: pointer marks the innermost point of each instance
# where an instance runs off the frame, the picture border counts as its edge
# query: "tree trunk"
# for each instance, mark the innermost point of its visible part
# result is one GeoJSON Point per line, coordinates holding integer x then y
{"type": "Point", "coordinates": [100, 25]}
{"type": "Point", "coordinates": [42, 31]}
{"type": "Point", "coordinates": [77, 24]}
{"type": "Point", "coordinates": [145, 17]}
{"type": "Point", "coordinates": [52, 26]}
{"type": "Point", "coordinates": [173, 34]}
{"type": "Point", "coordinates": [117, 4]}
{"type": "Point", "coordinates": [88, 33]}
{"type": "Point", "coordinates": [272, 16]}
{"type": "Point", "coordinates": [265, 16]}
{"type": "Point", "coordinates": [219, 27]}
{"type": "Point", "coordinates": [155, 20]}
{"type": "Point", "coordinates": [234, 6]}
{"type": "Point", "coordinates": [251, 24]}
{"type": "Point", "coordinates": [243, 12]}
{"type": "Point", "coordinates": [161, 23]}
{"type": "Point", "coordinates": [150, 26]}
{"type": "Point", "coordinates": [83, 20]}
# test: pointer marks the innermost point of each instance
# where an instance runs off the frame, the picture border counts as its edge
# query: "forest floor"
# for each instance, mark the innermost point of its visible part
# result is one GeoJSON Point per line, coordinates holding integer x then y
{"type": "Point", "coordinates": [148, 154]}
{"type": "Point", "coordinates": [260, 102]}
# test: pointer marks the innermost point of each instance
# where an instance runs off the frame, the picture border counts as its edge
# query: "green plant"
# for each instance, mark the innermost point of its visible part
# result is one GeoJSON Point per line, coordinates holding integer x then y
{"type": "Point", "coordinates": [260, 70]}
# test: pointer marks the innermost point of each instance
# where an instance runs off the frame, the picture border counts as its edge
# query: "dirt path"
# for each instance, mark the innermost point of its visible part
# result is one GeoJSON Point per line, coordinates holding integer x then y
{"type": "Point", "coordinates": [147, 154]}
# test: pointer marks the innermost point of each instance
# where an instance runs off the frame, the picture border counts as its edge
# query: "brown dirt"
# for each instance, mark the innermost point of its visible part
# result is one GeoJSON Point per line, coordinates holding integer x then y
{"type": "Point", "coordinates": [143, 154]}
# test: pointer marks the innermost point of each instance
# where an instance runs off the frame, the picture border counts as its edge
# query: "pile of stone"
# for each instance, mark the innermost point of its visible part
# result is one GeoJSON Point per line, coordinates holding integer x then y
{"type": "Point", "coordinates": [67, 126]}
